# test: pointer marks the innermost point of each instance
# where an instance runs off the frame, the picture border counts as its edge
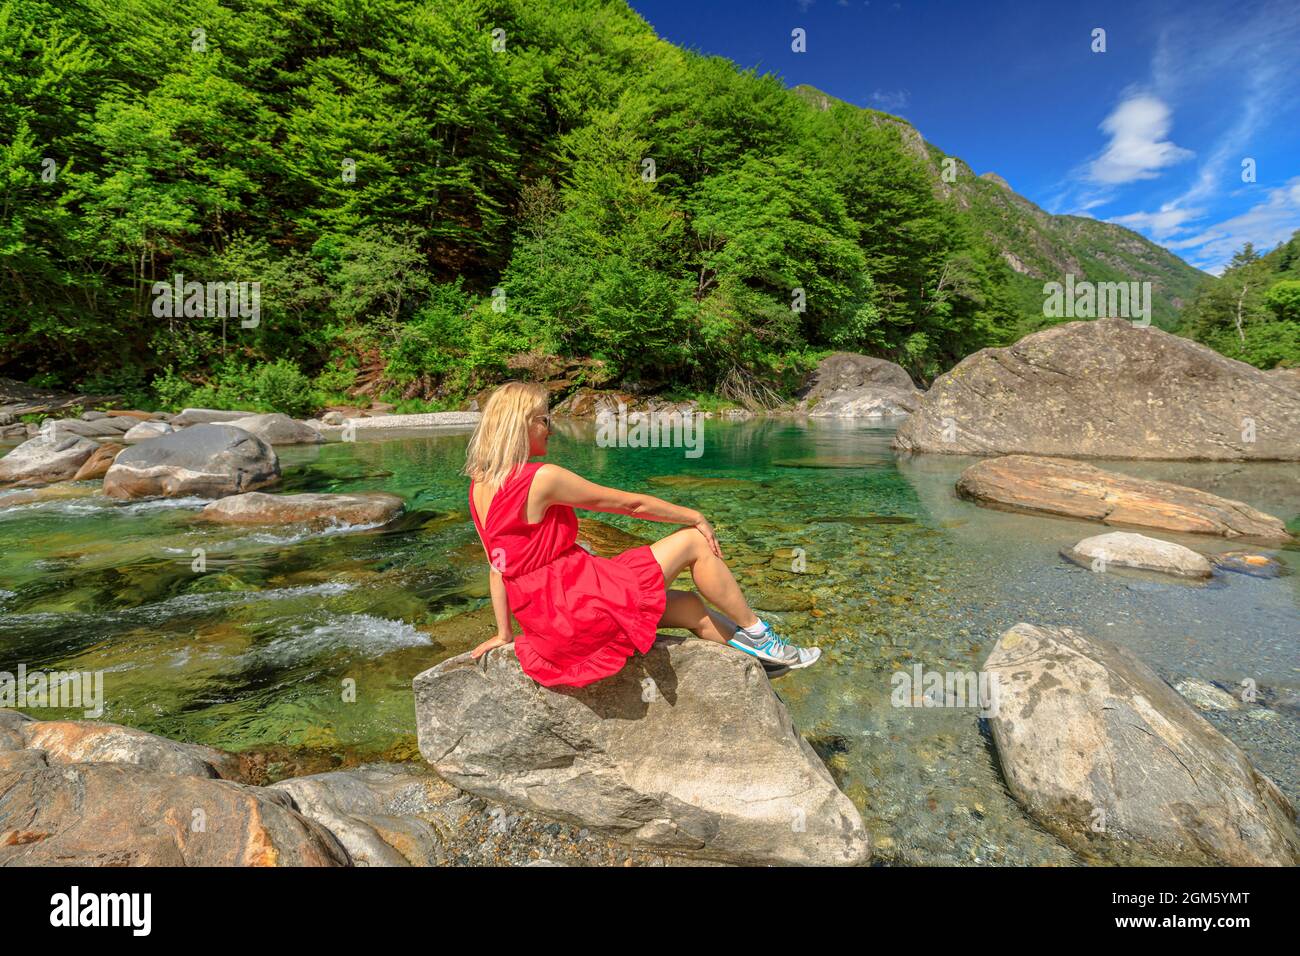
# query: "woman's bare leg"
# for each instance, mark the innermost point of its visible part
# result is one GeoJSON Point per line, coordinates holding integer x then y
{"type": "Point", "coordinates": [713, 579]}
{"type": "Point", "coordinates": [687, 610]}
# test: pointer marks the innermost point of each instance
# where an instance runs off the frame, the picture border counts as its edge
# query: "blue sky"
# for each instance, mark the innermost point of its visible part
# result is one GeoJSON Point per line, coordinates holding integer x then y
{"type": "Point", "coordinates": [1151, 133]}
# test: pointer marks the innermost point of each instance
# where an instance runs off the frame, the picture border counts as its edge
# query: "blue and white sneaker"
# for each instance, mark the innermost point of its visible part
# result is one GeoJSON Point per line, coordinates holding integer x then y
{"type": "Point", "coordinates": [770, 649]}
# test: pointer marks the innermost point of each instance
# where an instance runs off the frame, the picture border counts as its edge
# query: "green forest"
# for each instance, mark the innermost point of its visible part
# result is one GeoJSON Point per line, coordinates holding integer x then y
{"type": "Point", "coordinates": [426, 192]}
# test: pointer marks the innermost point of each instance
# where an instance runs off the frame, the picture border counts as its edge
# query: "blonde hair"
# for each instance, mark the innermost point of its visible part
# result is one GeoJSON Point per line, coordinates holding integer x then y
{"type": "Point", "coordinates": [499, 445]}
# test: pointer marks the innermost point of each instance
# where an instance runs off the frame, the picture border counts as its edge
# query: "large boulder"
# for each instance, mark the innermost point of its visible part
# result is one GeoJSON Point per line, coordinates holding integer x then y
{"type": "Point", "coordinates": [81, 793]}
{"type": "Point", "coordinates": [687, 748]}
{"type": "Point", "coordinates": [102, 814]}
{"type": "Point", "coordinates": [1109, 757]}
{"type": "Point", "coordinates": [1290, 377]}
{"type": "Point", "coordinates": [1057, 486]}
{"type": "Point", "coordinates": [1123, 549]}
{"type": "Point", "coordinates": [318, 510]}
{"type": "Point", "coordinates": [1106, 389]}
{"type": "Point", "coordinates": [847, 385]}
{"type": "Point", "coordinates": [209, 461]}
{"type": "Point", "coordinates": [42, 459]}
{"type": "Point", "coordinates": [278, 429]}
{"type": "Point", "coordinates": [91, 741]}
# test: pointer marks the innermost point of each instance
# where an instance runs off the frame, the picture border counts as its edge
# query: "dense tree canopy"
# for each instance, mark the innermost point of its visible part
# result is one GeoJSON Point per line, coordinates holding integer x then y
{"type": "Point", "coordinates": [422, 191]}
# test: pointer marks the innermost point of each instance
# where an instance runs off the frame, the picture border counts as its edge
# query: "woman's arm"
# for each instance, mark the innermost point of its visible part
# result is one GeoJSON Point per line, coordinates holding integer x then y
{"type": "Point", "coordinates": [501, 606]}
{"type": "Point", "coordinates": [553, 485]}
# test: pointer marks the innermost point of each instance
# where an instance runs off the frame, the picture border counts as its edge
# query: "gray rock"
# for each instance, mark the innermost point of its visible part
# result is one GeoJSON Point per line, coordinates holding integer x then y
{"type": "Point", "coordinates": [686, 748]}
{"type": "Point", "coordinates": [1123, 549]}
{"type": "Point", "coordinates": [1109, 757]}
{"type": "Point", "coordinates": [1106, 389]}
{"type": "Point", "coordinates": [1074, 489]}
{"type": "Point", "coordinates": [846, 385]}
{"type": "Point", "coordinates": [374, 811]}
{"type": "Point", "coordinates": [209, 461]}
{"type": "Point", "coordinates": [1205, 696]}
{"type": "Point", "coordinates": [277, 429]}
{"type": "Point", "coordinates": [90, 741]}
{"type": "Point", "coordinates": [254, 507]}
{"type": "Point", "coordinates": [205, 416]}
{"type": "Point", "coordinates": [104, 814]}
{"type": "Point", "coordinates": [42, 459]}
{"type": "Point", "coordinates": [62, 427]}
{"type": "Point", "coordinates": [146, 430]}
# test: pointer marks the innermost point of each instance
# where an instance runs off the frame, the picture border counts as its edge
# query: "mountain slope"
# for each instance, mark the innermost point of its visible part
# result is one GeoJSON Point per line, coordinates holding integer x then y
{"type": "Point", "coordinates": [1041, 247]}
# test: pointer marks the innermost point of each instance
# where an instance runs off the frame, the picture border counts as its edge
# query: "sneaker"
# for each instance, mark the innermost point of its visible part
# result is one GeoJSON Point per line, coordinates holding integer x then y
{"type": "Point", "coordinates": [770, 649]}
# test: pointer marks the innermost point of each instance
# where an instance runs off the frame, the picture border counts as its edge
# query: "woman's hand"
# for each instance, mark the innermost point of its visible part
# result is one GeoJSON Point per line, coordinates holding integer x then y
{"type": "Point", "coordinates": [487, 645]}
{"type": "Point", "coordinates": [706, 529]}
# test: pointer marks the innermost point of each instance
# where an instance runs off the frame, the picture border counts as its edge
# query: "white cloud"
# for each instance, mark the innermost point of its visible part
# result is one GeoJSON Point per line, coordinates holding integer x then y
{"type": "Point", "coordinates": [890, 99]}
{"type": "Point", "coordinates": [1265, 224]}
{"type": "Point", "coordinates": [1168, 220]}
{"type": "Point", "coordinates": [1138, 147]}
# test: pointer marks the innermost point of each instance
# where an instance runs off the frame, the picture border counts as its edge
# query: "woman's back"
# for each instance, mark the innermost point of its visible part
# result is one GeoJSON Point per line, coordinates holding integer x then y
{"type": "Point", "coordinates": [581, 615]}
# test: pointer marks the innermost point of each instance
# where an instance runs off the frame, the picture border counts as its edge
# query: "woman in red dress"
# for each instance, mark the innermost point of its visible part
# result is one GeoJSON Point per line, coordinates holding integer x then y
{"type": "Point", "coordinates": [581, 615]}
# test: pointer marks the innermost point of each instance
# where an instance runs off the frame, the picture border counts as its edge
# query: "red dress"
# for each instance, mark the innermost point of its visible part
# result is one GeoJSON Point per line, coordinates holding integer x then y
{"type": "Point", "coordinates": [582, 615]}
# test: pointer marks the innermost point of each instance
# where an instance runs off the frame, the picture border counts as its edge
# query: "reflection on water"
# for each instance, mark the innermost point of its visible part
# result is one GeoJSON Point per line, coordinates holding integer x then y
{"type": "Point", "coordinates": [305, 642]}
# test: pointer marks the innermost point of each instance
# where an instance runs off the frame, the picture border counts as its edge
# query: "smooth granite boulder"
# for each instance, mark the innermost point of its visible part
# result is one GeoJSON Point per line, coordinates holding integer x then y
{"type": "Point", "coordinates": [323, 510]}
{"type": "Point", "coordinates": [1106, 389]}
{"type": "Point", "coordinates": [1073, 489]}
{"type": "Point", "coordinates": [847, 385]}
{"type": "Point", "coordinates": [688, 748]}
{"type": "Point", "coordinates": [208, 461]}
{"type": "Point", "coordinates": [1109, 757]}
{"type": "Point", "coordinates": [1123, 549]}
{"type": "Point", "coordinates": [146, 430]}
{"type": "Point", "coordinates": [41, 460]}
{"type": "Point", "coordinates": [277, 429]}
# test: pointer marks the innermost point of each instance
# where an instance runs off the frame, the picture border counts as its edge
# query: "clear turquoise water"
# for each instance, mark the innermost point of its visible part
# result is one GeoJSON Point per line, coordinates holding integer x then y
{"type": "Point", "coordinates": [302, 646]}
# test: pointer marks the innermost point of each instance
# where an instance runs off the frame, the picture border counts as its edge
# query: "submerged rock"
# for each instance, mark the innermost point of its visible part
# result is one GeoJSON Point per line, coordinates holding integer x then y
{"type": "Point", "coordinates": [277, 429]}
{"type": "Point", "coordinates": [1105, 754]}
{"type": "Point", "coordinates": [1057, 486]}
{"type": "Point", "coordinates": [829, 461]}
{"type": "Point", "coordinates": [1205, 696]}
{"type": "Point", "coordinates": [846, 385]}
{"type": "Point", "coordinates": [1123, 549]}
{"type": "Point", "coordinates": [255, 507]}
{"type": "Point", "coordinates": [41, 460]}
{"type": "Point", "coordinates": [606, 540]}
{"type": "Point", "coordinates": [1106, 389]}
{"type": "Point", "coordinates": [209, 461]}
{"type": "Point", "coordinates": [687, 748]}
{"type": "Point", "coordinates": [1248, 562]}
